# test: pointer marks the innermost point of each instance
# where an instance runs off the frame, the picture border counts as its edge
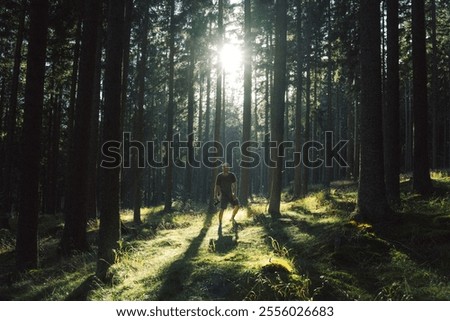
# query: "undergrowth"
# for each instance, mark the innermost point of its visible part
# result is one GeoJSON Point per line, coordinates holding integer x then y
{"type": "Point", "coordinates": [314, 252]}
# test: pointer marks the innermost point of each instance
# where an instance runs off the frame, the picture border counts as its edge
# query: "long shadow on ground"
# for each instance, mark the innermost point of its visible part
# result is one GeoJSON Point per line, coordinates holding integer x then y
{"type": "Point", "coordinates": [180, 270]}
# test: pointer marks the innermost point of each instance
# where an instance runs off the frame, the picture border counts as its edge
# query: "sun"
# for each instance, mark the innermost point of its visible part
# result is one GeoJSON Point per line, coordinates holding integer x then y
{"type": "Point", "coordinates": [231, 58]}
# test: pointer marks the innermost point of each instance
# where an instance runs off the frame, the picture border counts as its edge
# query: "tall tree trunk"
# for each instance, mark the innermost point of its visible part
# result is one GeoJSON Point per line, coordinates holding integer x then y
{"type": "Point", "coordinates": [329, 126]}
{"type": "Point", "coordinates": [223, 117]}
{"type": "Point", "coordinates": [207, 134]}
{"type": "Point", "coordinates": [27, 236]}
{"type": "Point", "coordinates": [109, 232]}
{"type": "Point", "coordinates": [256, 178]}
{"type": "Point", "coordinates": [391, 115]}
{"type": "Point", "coordinates": [307, 135]}
{"type": "Point", "coordinates": [128, 19]}
{"type": "Point", "coordinates": [71, 112]}
{"type": "Point", "coordinates": [356, 140]}
{"type": "Point", "coordinates": [170, 109]}
{"type": "Point", "coordinates": [199, 186]}
{"type": "Point", "coordinates": [11, 140]}
{"type": "Point", "coordinates": [372, 203]}
{"type": "Point", "coordinates": [349, 173]}
{"type": "Point", "coordinates": [267, 102]}
{"type": "Point", "coordinates": [208, 196]}
{"type": "Point", "coordinates": [2, 145]}
{"type": "Point", "coordinates": [93, 177]}
{"type": "Point", "coordinates": [139, 120]}
{"type": "Point", "coordinates": [434, 87]}
{"type": "Point", "coordinates": [218, 114]}
{"type": "Point", "coordinates": [190, 119]}
{"type": "Point", "coordinates": [247, 111]}
{"type": "Point", "coordinates": [421, 171]}
{"type": "Point", "coordinates": [298, 191]}
{"type": "Point", "coordinates": [278, 105]}
{"type": "Point", "coordinates": [74, 237]}
{"type": "Point", "coordinates": [126, 175]}
{"type": "Point", "coordinates": [2, 108]}
{"type": "Point", "coordinates": [51, 205]}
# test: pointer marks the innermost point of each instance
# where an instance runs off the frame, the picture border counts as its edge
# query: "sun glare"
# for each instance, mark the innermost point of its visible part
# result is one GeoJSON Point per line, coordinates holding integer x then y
{"type": "Point", "coordinates": [231, 58]}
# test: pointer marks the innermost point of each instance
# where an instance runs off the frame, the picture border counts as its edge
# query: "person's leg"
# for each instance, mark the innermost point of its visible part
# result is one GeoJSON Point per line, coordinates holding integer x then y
{"type": "Point", "coordinates": [235, 210]}
{"type": "Point", "coordinates": [220, 216]}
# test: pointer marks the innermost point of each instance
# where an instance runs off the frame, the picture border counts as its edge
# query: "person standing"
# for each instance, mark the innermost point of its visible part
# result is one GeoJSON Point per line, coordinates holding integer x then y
{"type": "Point", "coordinates": [225, 193]}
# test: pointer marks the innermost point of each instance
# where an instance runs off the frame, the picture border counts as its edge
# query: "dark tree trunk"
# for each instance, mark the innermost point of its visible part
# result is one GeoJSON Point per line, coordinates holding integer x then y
{"type": "Point", "coordinates": [278, 105]}
{"type": "Point", "coordinates": [92, 192]}
{"type": "Point", "coordinates": [298, 191]}
{"type": "Point", "coordinates": [11, 140]}
{"type": "Point", "coordinates": [391, 115]}
{"type": "Point", "coordinates": [330, 124]}
{"type": "Point", "coordinates": [208, 196]}
{"type": "Point", "coordinates": [307, 134]}
{"type": "Point", "coordinates": [71, 113]}
{"type": "Point", "coordinates": [74, 237]}
{"type": "Point", "coordinates": [51, 205]}
{"type": "Point", "coordinates": [247, 112]}
{"type": "Point", "coordinates": [126, 175]}
{"type": "Point", "coordinates": [126, 110]}
{"type": "Point", "coordinates": [218, 113]}
{"type": "Point", "coordinates": [372, 203]}
{"type": "Point", "coordinates": [267, 97]}
{"type": "Point", "coordinates": [139, 121]}
{"type": "Point", "coordinates": [434, 87]}
{"type": "Point", "coordinates": [170, 109]}
{"type": "Point", "coordinates": [421, 171]}
{"type": "Point", "coordinates": [201, 177]}
{"type": "Point", "coordinates": [349, 173]}
{"type": "Point", "coordinates": [190, 119]}
{"type": "Point", "coordinates": [109, 232]}
{"type": "Point", "coordinates": [27, 236]}
{"type": "Point", "coordinates": [2, 108]}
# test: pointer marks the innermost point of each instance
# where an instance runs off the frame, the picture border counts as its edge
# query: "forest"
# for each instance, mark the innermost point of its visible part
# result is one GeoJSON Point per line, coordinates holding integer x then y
{"type": "Point", "coordinates": [117, 118]}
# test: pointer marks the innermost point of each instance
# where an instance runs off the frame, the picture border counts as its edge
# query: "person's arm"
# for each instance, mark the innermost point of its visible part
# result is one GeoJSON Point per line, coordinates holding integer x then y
{"type": "Point", "coordinates": [233, 190]}
{"type": "Point", "coordinates": [234, 187]}
{"type": "Point", "coordinates": [216, 192]}
{"type": "Point", "coordinates": [216, 188]}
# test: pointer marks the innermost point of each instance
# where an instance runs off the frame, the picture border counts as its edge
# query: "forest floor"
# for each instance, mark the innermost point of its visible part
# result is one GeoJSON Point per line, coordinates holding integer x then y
{"type": "Point", "coordinates": [314, 252]}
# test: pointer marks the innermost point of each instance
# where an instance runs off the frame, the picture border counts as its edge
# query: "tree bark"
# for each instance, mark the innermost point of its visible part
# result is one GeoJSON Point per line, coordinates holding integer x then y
{"type": "Point", "coordinates": [139, 120]}
{"type": "Point", "coordinates": [27, 236]}
{"type": "Point", "coordinates": [74, 237]}
{"type": "Point", "coordinates": [372, 203]}
{"type": "Point", "coordinates": [298, 191]}
{"type": "Point", "coordinates": [190, 118]}
{"type": "Point", "coordinates": [247, 110]}
{"type": "Point", "coordinates": [109, 232]}
{"type": "Point", "coordinates": [421, 168]}
{"type": "Point", "coordinates": [170, 110]}
{"type": "Point", "coordinates": [71, 112]}
{"type": "Point", "coordinates": [278, 105]}
{"type": "Point", "coordinates": [391, 115]}
{"type": "Point", "coordinates": [11, 140]}
{"type": "Point", "coordinates": [434, 87]}
{"type": "Point", "coordinates": [93, 176]}
{"type": "Point", "coordinates": [329, 126]}
{"type": "Point", "coordinates": [218, 112]}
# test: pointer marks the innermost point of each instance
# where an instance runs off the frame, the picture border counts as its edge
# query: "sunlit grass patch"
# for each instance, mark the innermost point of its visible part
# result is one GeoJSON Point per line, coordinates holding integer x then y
{"type": "Point", "coordinates": [315, 251]}
{"type": "Point", "coordinates": [140, 269]}
{"type": "Point", "coordinates": [279, 278]}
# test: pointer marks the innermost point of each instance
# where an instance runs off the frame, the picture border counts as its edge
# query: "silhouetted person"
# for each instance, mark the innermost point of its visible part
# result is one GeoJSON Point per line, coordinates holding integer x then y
{"type": "Point", "coordinates": [225, 191]}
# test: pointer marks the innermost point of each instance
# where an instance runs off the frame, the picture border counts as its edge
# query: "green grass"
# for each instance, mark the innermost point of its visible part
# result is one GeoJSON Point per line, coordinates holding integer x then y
{"type": "Point", "coordinates": [315, 252]}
